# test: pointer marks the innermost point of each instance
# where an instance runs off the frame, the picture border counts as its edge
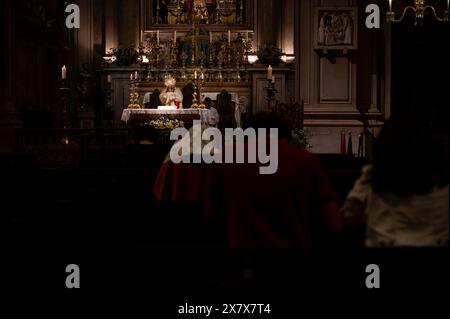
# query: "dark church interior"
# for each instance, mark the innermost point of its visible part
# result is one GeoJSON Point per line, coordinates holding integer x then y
{"type": "Point", "coordinates": [356, 212]}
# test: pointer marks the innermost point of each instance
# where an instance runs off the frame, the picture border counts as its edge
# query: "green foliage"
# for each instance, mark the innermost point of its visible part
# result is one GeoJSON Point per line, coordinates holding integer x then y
{"type": "Point", "coordinates": [125, 56]}
{"type": "Point", "coordinates": [269, 54]}
{"type": "Point", "coordinates": [300, 138]}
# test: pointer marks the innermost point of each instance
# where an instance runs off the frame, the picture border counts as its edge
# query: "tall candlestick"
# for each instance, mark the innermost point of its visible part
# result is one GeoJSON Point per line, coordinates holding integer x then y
{"type": "Point", "coordinates": [136, 75]}
{"type": "Point", "coordinates": [64, 73]}
{"type": "Point", "coordinates": [229, 36]}
{"type": "Point", "coordinates": [448, 4]}
{"type": "Point", "coordinates": [195, 75]}
{"type": "Point", "coordinates": [269, 72]}
{"type": "Point", "coordinates": [390, 5]}
{"type": "Point", "coordinates": [273, 78]}
{"type": "Point", "coordinates": [157, 36]}
{"type": "Point", "coordinates": [131, 77]}
{"type": "Point", "coordinates": [142, 37]}
{"type": "Point", "coordinates": [174, 36]}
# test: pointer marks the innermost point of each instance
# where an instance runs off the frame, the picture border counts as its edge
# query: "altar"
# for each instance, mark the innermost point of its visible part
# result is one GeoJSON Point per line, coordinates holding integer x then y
{"type": "Point", "coordinates": [137, 116]}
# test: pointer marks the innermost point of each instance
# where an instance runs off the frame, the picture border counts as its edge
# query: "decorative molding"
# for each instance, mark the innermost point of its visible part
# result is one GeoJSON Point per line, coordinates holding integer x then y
{"type": "Point", "coordinates": [335, 81]}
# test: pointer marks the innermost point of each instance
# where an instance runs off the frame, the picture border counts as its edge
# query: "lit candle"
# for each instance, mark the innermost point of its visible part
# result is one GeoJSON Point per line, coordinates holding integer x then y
{"type": "Point", "coordinates": [157, 36]}
{"type": "Point", "coordinates": [448, 4]}
{"type": "Point", "coordinates": [390, 5]}
{"type": "Point", "coordinates": [269, 72]}
{"type": "Point", "coordinates": [229, 37]}
{"type": "Point", "coordinates": [202, 76]}
{"type": "Point", "coordinates": [64, 73]}
{"type": "Point", "coordinates": [174, 36]}
{"type": "Point", "coordinates": [131, 77]}
{"type": "Point", "coordinates": [136, 75]}
{"type": "Point", "coordinates": [109, 79]}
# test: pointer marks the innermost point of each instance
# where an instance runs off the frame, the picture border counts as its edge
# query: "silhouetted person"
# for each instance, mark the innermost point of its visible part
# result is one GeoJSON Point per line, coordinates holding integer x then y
{"type": "Point", "coordinates": [225, 109]}
{"type": "Point", "coordinates": [154, 100]}
{"type": "Point", "coordinates": [145, 151]}
{"type": "Point", "coordinates": [403, 195]}
{"type": "Point", "coordinates": [188, 91]}
{"type": "Point", "coordinates": [214, 116]}
{"type": "Point", "coordinates": [145, 135]}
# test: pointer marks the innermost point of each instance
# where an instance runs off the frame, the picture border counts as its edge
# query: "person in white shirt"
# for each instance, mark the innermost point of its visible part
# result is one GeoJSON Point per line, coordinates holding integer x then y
{"type": "Point", "coordinates": [214, 116]}
{"type": "Point", "coordinates": [403, 196]}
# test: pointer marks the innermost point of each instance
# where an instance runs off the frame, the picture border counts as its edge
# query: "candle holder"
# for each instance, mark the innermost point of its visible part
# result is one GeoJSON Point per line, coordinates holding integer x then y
{"type": "Point", "coordinates": [271, 92]}
{"type": "Point", "coordinates": [134, 98]}
{"type": "Point", "coordinates": [194, 100]}
{"type": "Point", "coordinates": [154, 48]}
{"type": "Point", "coordinates": [64, 91]}
{"type": "Point", "coordinates": [194, 51]}
{"type": "Point", "coordinates": [198, 87]}
{"type": "Point", "coordinates": [418, 9]}
{"type": "Point", "coordinates": [157, 50]}
{"type": "Point", "coordinates": [173, 53]}
{"type": "Point", "coordinates": [211, 55]}
{"type": "Point", "coordinates": [108, 107]}
{"type": "Point", "coordinates": [202, 96]}
{"type": "Point", "coordinates": [229, 55]}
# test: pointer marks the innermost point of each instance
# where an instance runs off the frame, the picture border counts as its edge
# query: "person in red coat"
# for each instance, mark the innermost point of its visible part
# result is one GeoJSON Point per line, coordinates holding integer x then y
{"type": "Point", "coordinates": [295, 207]}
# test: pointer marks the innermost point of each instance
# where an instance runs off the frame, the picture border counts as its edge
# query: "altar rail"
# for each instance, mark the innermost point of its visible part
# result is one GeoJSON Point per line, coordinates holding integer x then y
{"type": "Point", "coordinates": [62, 147]}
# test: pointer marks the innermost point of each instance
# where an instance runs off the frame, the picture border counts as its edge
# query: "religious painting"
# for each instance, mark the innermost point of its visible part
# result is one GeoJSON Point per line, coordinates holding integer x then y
{"type": "Point", "coordinates": [336, 28]}
{"type": "Point", "coordinates": [188, 12]}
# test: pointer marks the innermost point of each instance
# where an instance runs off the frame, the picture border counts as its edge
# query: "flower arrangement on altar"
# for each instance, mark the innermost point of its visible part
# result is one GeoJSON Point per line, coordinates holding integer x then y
{"type": "Point", "coordinates": [164, 123]}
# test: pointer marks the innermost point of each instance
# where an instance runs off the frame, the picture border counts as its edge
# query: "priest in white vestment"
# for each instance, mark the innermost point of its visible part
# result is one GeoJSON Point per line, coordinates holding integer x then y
{"type": "Point", "coordinates": [171, 95]}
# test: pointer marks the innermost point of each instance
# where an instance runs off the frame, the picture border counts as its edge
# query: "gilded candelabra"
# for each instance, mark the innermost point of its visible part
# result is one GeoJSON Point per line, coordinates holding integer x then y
{"type": "Point", "coordinates": [134, 98]}
{"type": "Point", "coordinates": [419, 10]}
{"type": "Point", "coordinates": [173, 53]}
{"type": "Point", "coordinates": [198, 89]}
{"type": "Point", "coordinates": [154, 49]}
